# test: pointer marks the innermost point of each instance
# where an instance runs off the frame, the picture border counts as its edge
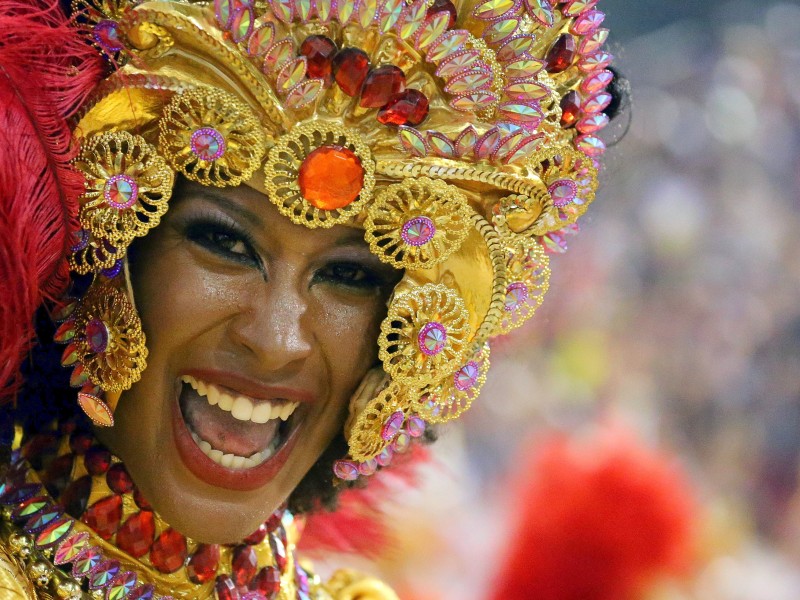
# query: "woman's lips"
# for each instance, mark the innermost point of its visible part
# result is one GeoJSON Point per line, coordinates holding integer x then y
{"type": "Point", "coordinates": [255, 451]}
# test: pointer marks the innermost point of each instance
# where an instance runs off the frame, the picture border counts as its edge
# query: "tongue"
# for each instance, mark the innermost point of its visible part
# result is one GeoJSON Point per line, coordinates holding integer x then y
{"type": "Point", "coordinates": [221, 430]}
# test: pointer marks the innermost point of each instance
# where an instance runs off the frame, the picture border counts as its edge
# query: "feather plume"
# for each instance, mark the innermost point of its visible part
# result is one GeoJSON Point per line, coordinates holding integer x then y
{"type": "Point", "coordinates": [46, 72]}
{"type": "Point", "coordinates": [598, 519]}
{"type": "Point", "coordinates": [358, 524]}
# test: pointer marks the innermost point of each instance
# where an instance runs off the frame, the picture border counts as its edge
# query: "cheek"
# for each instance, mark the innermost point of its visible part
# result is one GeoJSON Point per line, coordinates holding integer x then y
{"type": "Point", "coordinates": [178, 301]}
{"type": "Point", "coordinates": [348, 337]}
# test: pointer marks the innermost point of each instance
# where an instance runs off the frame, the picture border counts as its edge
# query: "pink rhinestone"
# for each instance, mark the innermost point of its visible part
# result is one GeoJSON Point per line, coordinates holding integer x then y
{"type": "Point", "coordinates": [516, 295]}
{"type": "Point", "coordinates": [415, 426]}
{"type": "Point", "coordinates": [120, 191]}
{"type": "Point", "coordinates": [563, 192]}
{"type": "Point", "coordinates": [467, 376]}
{"type": "Point", "coordinates": [597, 103]}
{"type": "Point", "coordinates": [368, 467]}
{"type": "Point", "coordinates": [401, 443]}
{"type": "Point", "coordinates": [432, 338]}
{"type": "Point", "coordinates": [385, 457]}
{"type": "Point", "coordinates": [208, 144]}
{"type": "Point", "coordinates": [418, 231]}
{"type": "Point", "coordinates": [346, 470]}
{"type": "Point", "coordinates": [106, 34]}
{"type": "Point", "coordinates": [392, 425]}
{"type": "Point", "coordinates": [97, 336]}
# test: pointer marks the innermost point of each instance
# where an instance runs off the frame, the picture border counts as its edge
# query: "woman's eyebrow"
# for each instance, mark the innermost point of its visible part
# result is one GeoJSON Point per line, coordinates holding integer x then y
{"type": "Point", "coordinates": [354, 237]}
{"type": "Point", "coordinates": [229, 205]}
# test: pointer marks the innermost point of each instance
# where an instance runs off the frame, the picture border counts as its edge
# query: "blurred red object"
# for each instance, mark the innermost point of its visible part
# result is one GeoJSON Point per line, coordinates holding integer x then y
{"type": "Point", "coordinates": [600, 518]}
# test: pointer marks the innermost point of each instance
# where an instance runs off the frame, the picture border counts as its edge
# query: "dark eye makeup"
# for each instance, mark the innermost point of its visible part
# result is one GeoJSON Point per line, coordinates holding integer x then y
{"type": "Point", "coordinates": [223, 237]}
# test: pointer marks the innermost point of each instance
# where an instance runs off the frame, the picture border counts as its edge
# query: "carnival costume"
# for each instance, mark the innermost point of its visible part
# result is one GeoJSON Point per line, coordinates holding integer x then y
{"type": "Point", "coordinates": [461, 136]}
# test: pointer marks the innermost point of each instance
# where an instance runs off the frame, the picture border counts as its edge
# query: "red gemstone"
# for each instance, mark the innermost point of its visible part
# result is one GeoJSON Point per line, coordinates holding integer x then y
{"type": "Point", "coordinates": [76, 497]}
{"type": "Point", "coordinates": [136, 535]}
{"type": "Point", "coordinates": [104, 516]}
{"type": "Point", "coordinates": [140, 500]}
{"type": "Point", "coordinates": [268, 582]}
{"type": "Point", "coordinates": [118, 479]}
{"type": "Point", "coordinates": [570, 109]}
{"type": "Point", "coordinates": [319, 51]}
{"type": "Point", "coordinates": [381, 84]}
{"type": "Point", "coordinates": [278, 551]}
{"type": "Point", "coordinates": [350, 68]}
{"type": "Point", "coordinates": [97, 460]}
{"type": "Point", "coordinates": [80, 442]}
{"type": "Point", "coordinates": [204, 563]}
{"type": "Point", "coordinates": [244, 564]}
{"type": "Point", "coordinates": [257, 536]}
{"type": "Point", "coordinates": [440, 6]}
{"type": "Point", "coordinates": [226, 589]}
{"type": "Point", "coordinates": [406, 108]}
{"type": "Point", "coordinates": [58, 473]}
{"type": "Point", "coordinates": [275, 520]}
{"type": "Point", "coordinates": [168, 552]}
{"type": "Point", "coordinates": [561, 54]}
{"type": "Point", "coordinates": [331, 177]}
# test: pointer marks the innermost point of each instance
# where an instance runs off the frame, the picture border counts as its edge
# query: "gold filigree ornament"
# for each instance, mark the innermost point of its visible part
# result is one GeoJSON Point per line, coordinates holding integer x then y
{"type": "Point", "coordinates": [377, 424]}
{"type": "Point", "coordinates": [128, 186]}
{"type": "Point", "coordinates": [528, 276]}
{"type": "Point", "coordinates": [571, 180]}
{"type": "Point", "coordinates": [211, 137]}
{"type": "Point", "coordinates": [108, 343]}
{"type": "Point", "coordinates": [320, 174]}
{"type": "Point", "coordinates": [418, 223]}
{"type": "Point", "coordinates": [425, 335]}
{"type": "Point", "coordinates": [454, 395]}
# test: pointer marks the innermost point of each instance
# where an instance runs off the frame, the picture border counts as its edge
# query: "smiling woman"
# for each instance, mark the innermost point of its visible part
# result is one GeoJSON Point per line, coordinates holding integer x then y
{"type": "Point", "coordinates": [275, 239]}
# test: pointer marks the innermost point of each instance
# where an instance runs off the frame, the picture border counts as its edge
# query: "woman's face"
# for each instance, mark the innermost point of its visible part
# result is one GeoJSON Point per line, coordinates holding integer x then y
{"type": "Point", "coordinates": [250, 320]}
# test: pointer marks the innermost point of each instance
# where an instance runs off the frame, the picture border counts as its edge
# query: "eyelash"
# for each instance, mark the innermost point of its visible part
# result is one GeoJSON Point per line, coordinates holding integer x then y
{"type": "Point", "coordinates": [204, 231]}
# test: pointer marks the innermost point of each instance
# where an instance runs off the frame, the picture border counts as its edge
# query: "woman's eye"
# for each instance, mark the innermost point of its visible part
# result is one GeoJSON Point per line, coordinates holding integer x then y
{"type": "Point", "coordinates": [349, 274]}
{"type": "Point", "coordinates": [222, 241]}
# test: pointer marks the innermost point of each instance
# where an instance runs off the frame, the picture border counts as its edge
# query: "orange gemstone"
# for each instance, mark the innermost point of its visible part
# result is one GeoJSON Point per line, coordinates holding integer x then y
{"type": "Point", "coordinates": [331, 177]}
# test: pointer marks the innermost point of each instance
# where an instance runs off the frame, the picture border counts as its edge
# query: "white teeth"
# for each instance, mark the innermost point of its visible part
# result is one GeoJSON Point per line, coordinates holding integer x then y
{"type": "Point", "coordinates": [242, 407]}
{"type": "Point", "coordinates": [234, 461]}
{"type": "Point", "coordinates": [261, 413]}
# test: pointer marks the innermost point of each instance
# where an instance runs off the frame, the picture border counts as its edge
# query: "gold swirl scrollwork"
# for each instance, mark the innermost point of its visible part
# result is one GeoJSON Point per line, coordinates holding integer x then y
{"type": "Point", "coordinates": [109, 339]}
{"type": "Point", "coordinates": [211, 137]}
{"type": "Point", "coordinates": [365, 440]}
{"type": "Point", "coordinates": [418, 223]}
{"type": "Point", "coordinates": [425, 335]}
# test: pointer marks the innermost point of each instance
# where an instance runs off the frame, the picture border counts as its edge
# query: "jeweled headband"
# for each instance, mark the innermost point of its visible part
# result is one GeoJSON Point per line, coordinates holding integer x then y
{"type": "Point", "coordinates": [460, 135]}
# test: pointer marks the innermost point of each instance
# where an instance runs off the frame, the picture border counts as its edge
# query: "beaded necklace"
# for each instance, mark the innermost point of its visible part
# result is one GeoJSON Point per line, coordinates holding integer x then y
{"type": "Point", "coordinates": [78, 526]}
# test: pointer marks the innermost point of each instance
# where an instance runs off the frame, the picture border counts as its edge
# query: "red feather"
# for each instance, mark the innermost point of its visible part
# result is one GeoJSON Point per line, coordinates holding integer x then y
{"type": "Point", "coordinates": [46, 71]}
{"type": "Point", "coordinates": [599, 519]}
{"type": "Point", "coordinates": [357, 526]}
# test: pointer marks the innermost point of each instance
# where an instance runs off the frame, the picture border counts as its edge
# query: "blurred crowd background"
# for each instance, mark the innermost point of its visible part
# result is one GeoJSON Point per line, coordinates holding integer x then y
{"type": "Point", "coordinates": [674, 314]}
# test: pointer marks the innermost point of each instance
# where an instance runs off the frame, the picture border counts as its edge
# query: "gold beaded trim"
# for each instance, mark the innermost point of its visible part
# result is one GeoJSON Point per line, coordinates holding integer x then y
{"type": "Point", "coordinates": [528, 273]}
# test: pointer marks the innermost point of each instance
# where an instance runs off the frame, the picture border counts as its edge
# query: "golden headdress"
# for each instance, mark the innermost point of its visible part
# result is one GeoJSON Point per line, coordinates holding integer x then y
{"type": "Point", "coordinates": [460, 135]}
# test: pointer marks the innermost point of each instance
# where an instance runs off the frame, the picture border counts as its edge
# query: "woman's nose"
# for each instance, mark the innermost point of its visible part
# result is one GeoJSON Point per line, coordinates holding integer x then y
{"type": "Point", "coordinates": [273, 326]}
